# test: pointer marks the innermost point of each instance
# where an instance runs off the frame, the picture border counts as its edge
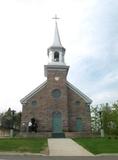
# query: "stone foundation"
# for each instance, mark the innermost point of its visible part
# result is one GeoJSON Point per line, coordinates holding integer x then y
{"type": "Point", "coordinates": [49, 134]}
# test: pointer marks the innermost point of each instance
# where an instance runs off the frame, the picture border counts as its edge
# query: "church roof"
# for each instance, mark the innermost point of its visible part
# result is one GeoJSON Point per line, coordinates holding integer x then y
{"type": "Point", "coordinates": [77, 91]}
{"type": "Point", "coordinates": [56, 41]}
{"type": "Point", "coordinates": [68, 84]}
{"type": "Point", "coordinates": [32, 93]}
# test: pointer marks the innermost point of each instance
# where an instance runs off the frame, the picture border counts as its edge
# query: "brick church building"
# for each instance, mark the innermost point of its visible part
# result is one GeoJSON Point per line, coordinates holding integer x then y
{"type": "Point", "coordinates": [58, 107]}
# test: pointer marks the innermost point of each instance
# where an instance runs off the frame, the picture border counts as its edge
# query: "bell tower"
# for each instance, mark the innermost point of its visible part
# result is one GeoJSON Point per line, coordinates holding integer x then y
{"type": "Point", "coordinates": [56, 53]}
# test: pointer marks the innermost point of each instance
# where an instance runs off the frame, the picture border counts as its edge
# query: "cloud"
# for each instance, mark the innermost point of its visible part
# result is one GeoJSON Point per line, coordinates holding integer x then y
{"type": "Point", "coordinates": [96, 64]}
{"type": "Point", "coordinates": [104, 97]}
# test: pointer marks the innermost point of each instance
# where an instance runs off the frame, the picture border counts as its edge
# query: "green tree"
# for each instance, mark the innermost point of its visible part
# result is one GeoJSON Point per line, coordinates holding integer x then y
{"type": "Point", "coordinates": [11, 119]}
{"type": "Point", "coordinates": [114, 118]}
{"type": "Point", "coordinates": [6, 119]}
{"type": "Point", "coordinates": [95, 120]}
{"type": "Point", "coordinates": [105, 116]}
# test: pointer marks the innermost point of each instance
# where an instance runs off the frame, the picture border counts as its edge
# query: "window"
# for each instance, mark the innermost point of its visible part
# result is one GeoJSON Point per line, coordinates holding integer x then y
{"type": "Point", "coordinates": [56, 93]}
{"type": "Point", "coordinates": [88, 107]}
{"type": "Point", "coordinates": [56, 56]}
{"type": "Point", "coordinates": [77, 103]}
{"type": "Point", "coordinates": [34, 103]}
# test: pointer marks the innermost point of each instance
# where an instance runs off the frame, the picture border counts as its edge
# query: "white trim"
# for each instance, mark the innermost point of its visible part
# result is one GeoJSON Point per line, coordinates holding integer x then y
{"type": "Point", "coordinates": [32, 93]}
{"type": "Point", "coordinates": [76, 90]}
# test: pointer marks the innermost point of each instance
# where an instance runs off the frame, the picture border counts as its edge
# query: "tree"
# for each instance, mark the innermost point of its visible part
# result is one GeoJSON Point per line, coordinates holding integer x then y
{"type": "Point", "coordinates": [114, 118]}
{"type": "Point", "coordinates": [95, 120]}
{"type": "Point", "coordinates": [105, 116]}
{"type": "Point", "coordinates": [106, 111]}
{"type": "Point", "coordinates": [6, 119]}
{"type": "Point", "coordinates": [10, 120]}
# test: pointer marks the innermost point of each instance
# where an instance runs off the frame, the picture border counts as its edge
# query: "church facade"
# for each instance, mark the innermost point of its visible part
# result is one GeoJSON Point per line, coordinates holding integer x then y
{"type": "Point", "coordinates": [58, 107]}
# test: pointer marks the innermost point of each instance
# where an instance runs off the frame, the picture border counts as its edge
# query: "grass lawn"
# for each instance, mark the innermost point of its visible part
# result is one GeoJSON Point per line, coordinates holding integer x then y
{"type": "Point", "coordinates": [34, 145]}
{"type": "Point", "coordinates": [99, 145]}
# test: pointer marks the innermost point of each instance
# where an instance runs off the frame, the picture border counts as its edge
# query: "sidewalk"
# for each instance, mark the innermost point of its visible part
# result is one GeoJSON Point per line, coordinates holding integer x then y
{"type": "Point", "coordinates": [66, 147]}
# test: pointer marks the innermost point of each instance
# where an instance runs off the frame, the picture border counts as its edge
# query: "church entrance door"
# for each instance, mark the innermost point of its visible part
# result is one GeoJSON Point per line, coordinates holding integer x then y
{"type": "Point", "coordinates": [57, 122]}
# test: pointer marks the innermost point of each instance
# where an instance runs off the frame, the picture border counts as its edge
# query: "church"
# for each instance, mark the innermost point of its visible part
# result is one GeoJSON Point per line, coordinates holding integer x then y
{"type": "Point", "coordinates": [58, 108]}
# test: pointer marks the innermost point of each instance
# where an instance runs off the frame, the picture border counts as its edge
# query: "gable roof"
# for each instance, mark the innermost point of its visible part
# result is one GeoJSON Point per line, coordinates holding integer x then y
{"type": "Point", "coordinates": [68, 84]}
{"type": "Point", "coordinates": [77, 91]}
{"type": "Point", "coordinates": [33, 92]}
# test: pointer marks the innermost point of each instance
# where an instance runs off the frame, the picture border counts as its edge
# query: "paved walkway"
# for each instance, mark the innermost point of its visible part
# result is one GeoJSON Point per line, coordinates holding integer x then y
{"type": "Point", "coordinates": [66, 147]}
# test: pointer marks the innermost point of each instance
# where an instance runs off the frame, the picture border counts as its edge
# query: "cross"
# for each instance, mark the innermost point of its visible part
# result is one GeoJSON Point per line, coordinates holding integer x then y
{"type": "Point", "coordinates": [56, 18]}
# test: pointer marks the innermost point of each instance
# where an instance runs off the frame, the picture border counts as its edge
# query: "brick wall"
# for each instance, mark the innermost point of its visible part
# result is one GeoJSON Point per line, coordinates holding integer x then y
{"type": "Point", "coordinates": [78, 109]}
{"type": "Point", "coordinates": [65, 104]}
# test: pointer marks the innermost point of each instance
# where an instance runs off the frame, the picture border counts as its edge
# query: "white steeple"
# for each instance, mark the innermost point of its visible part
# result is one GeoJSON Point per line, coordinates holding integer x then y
{"type": "Point", "coordinates": [56, 41]}
{"type": "Point", "coordinates": [56, 52]}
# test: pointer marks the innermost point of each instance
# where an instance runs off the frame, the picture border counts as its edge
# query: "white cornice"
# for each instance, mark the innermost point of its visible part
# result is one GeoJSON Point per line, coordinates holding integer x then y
{"type": "Point", "coordinates": [32, 93]}
{"type": "Point", "coordinates": [77, 91]}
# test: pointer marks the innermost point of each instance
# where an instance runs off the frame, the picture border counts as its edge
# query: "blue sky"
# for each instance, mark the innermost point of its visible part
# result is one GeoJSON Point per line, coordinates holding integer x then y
{"type": "Point", "coordinates": [99, 74]}
{"type": "Point", "coordinates": [89, 32]}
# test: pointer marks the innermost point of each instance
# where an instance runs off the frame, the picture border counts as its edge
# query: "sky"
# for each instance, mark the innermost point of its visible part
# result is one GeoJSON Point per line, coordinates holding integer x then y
{"type": "Point", "coordinates": [89, 32]}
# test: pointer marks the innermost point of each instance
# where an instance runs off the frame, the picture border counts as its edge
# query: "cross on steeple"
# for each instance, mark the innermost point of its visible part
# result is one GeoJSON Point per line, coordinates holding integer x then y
{"type": "Point", "coordinates": [56, 41]}
{"type": "Point", "coordinates": [55, 17]}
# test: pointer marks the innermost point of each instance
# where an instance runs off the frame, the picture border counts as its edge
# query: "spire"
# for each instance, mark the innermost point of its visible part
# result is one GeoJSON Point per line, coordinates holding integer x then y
{"type": "Point", "coordinates": [56, 41]}
{"type": "Point", "coordinates": [56, 53]}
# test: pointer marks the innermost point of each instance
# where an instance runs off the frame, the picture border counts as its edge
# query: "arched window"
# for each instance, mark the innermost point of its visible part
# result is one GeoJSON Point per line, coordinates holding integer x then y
{"type": "Point", "coordinates": [56, 56]}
